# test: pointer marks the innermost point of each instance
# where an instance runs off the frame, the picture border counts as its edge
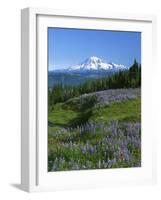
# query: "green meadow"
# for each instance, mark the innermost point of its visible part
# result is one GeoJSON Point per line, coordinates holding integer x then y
{"type": "Point", "coordinates": [96, 124]}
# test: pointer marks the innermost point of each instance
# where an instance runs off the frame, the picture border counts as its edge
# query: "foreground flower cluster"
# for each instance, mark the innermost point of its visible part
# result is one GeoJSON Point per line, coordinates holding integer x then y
{"type": "Point", "coordinates": [95, 146]}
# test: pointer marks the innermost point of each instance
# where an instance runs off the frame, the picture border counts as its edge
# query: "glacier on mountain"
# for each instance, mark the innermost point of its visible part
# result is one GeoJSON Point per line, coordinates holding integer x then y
{"type": "Point", "coordinates": [93, 64]}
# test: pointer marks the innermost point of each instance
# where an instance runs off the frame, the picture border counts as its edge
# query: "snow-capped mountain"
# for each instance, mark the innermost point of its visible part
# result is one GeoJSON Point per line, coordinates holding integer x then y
{"type": "Point", "coordinates": [92, 64]}
{"type": "Point", "coordinates": [95, 63]}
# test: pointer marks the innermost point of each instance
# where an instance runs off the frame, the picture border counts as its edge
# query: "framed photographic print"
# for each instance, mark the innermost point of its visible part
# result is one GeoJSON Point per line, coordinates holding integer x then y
{"type": "Point", "coordinates": [86, 99]}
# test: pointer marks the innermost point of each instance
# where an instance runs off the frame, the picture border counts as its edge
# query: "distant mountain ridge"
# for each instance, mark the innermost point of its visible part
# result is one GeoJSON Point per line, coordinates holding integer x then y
{"type": "Point", "coordinates": [94, 64]}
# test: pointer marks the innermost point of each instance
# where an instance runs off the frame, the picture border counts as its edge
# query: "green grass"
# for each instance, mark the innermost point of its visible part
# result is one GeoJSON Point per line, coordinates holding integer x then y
{"type": "Point", "coordinates": [60, 116]}
{"type": "Point", "coordinates": [63, 116]}
{"type": "Point", "coordinates": [129, 111]}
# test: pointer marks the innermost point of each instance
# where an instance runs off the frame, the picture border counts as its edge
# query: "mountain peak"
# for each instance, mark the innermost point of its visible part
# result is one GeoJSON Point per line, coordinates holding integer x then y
{"type": "Point", "coordinates": [94, 58]}
{"type": "Point", "coordinates": [91, 63]}
{"type": "Point", "coordinates": [94, 63]}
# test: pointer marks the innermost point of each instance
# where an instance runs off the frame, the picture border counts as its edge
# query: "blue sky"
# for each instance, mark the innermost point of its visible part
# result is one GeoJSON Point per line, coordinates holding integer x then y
{"type": "Point", "coordinates": [68, 47]}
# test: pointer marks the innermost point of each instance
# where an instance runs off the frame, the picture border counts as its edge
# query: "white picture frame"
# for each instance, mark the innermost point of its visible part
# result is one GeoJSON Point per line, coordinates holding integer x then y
{"type": "Point", "coordinates": [34, 175]}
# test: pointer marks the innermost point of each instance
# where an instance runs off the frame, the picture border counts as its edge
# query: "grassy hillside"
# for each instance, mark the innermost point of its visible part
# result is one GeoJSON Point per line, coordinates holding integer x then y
{"type": "Point", "coordinates": [64, 115]}
{"type": "Point", "coordinates": [88, 133]}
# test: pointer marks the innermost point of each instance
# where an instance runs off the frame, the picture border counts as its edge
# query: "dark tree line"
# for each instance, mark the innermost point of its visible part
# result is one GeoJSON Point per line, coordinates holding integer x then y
{"type": "Point", "coordinates": [130, 78]}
